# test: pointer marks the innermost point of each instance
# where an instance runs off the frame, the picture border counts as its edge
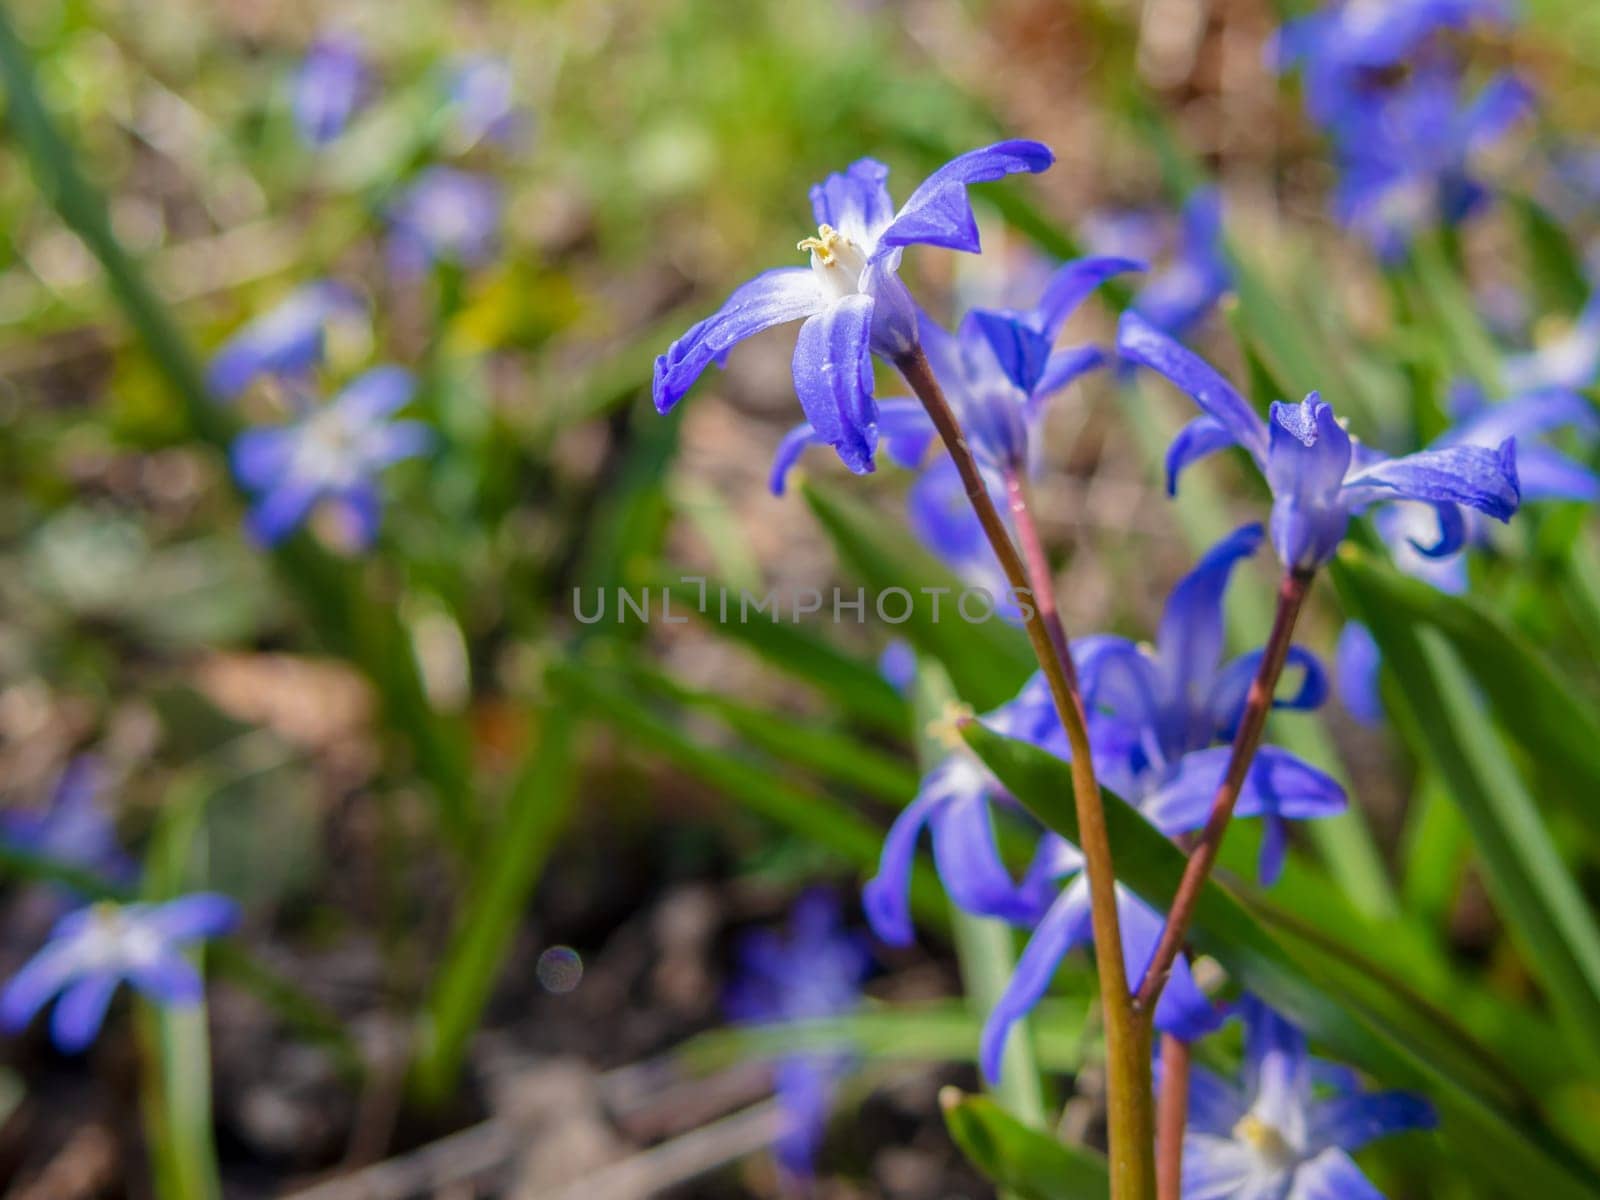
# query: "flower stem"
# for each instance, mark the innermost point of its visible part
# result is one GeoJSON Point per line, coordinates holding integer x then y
{"type": "Point", "coordinates": [1172, 1115]}
{"type": "Point", "coordinates": [1044, 594]}
{"type": "Point", "coordinates": [1130, 1103]}
{"type": "Point", "coordinates": [1291, 598]}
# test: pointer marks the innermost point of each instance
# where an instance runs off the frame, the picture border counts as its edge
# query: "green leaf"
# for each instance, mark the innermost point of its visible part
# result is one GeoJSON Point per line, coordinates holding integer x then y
{"type": "Point", "coordinates": [1546, 712]}
{"type": "Point", "coordinates": [1487, 1116]}
{"type": "Point", "coordinates": [1556, 265]}
{"type": "Point", "coordinates": [1439, 711]}
{"type": "Point", "coordinates": [1023, 1161]}
{"type": "Point", "coordinates": [988, 662]}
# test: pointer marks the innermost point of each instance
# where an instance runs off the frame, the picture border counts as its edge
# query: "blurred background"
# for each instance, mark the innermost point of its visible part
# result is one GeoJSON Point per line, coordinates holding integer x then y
{"type": "Point", "coordinates": [499, 866]}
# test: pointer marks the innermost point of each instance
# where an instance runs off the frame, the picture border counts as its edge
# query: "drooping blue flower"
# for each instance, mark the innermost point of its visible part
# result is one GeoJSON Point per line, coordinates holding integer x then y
{"type": "Point", "coordinates": [74, 829]}
{"type": "Point", "coordinates": [851, 298]}
{"type": "Point", "coordinates": [1411, 530]}
{"type": "Point", "coordinates": [1346, 47]}
{"type": "Point", "coordinates": [1271, 1134]}
{"type": "Point", "coordinates": [1318, 476]}
{"type": "Point", "coordinates": [331, 84]}
{"type": "Point", "coordinates": [815, 972]}
{"type": "Point", "coordinates": [1569, 360]}
{"type": "Point", "coordinates": [287, 341]}
{"type": "Point", "coordinates": [483, 101]}
{"type": "Point", "coordinates": [95, 949]}
{"type": "Point", "coordinates": [333, 454]}
{"type": "Point", "coordinates": [1408, 156]}
{"type": "Point", "coordinates": [446, 215]}
{"type": "Point", "coordinates": [1155, 718]}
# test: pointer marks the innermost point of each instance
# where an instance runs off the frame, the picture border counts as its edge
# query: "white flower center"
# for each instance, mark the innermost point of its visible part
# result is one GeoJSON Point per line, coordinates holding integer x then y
{"type": "Point", "coordinates": [1271, 1147]}
{"type": "Point", "coordinates": [328, 449]}
{"type": "Point", "coordinates": [836, 261]}
{"type": "Point", "coordinates": [112, 940]}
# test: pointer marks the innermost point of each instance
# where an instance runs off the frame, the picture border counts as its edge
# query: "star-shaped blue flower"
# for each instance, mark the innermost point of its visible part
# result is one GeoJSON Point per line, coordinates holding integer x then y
{"type": "Point", "coordinates": [329, 87]}
{"type": "Point", "coordinates": [334, 453]}
{"type": "Point", "coordinates": [1287, 1126]}
{"type": "Point", "coordinates": [1569, 360]}
{"type": "Point", "coordinates": [1318, 476]}
{"type": "Point", "coordinates": [815, 972]}
{"type": "Point", "coordinates": [851, 298]}
{"type": "Point", "coordinates": [94, 950]}
{"type": "Point", "coordinates": [74, 829]}
{"type": "Point", "coordinates": [446, 215]}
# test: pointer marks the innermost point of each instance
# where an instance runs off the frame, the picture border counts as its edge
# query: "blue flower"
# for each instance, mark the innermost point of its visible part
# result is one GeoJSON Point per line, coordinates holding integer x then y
{"type": "Point", "coordinates": [1407, 156]}
{"type": "Point", "coordinates": [1318, 476]}
{"type": "Point", "coordinates": [330, 85]}
{"type": "Point", "coordinates": [850, 298]}
{"type": "Point", "coordinates": [1357, 661]}
{"type": "Point", "coordinates": [999, 371]}
{"type": "Point", "coordinates": [1154, 718]}
{"type": "Point", "coordinates": [446, 215]}
{"type": "Point", "coordinates": [1271, 1133]}
{"type": "Point", "coordinates": [93, 950]}
{"type": "Point", "coordinates": [1345, 48]}
{"type": "Point", "coordinates": [483, 101]}
{"type": "Point", "coordinates": [1191, 272]}
{"type": "Point", "coordinates": [287, 341]}
{"type": "Point", "coordinates": [332, 454]}
{"type": "Point", "coordinates": [816, 972]}
{"type": "Point", "coordinates": [897, 665]}
{"type": "Point", "coordinates": [74, 830]}
{"type": "Point", "coordinates": [1569, 360]}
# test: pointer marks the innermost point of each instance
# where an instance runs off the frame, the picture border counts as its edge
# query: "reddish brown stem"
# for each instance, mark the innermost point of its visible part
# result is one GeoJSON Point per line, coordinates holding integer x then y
{"type": "Point", "coordinates": [1172, 1116]}
{"type": "Point", "coordinates": [1044, 593]}
{"type": "Point", "coordinates": [1130, 1104]}
{"type": "Point", "coordinates": [1258, 704]}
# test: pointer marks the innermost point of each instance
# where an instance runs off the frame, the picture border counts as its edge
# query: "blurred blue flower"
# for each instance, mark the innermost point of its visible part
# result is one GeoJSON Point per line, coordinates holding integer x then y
{"type": "Point", "coordinates": [446, 215]}
{"type": "Point", "coordinates": [851, 297]}
{"type": "Point", "coordinates": [332, 454]}
{"type": "Point", "coordinates": [1345, 48]}
{"type": "Point", "coordinates": [74, 830]}
{"type": "Point", "coordinates": [1190, 271]}
{"type": "Point", "coordinates": [287, 341]}
{"type": "Point", "coordinates": [1318, 476]}
{"type": "Point", "coordinates": [1570, 359]}
{"type": "Point", "coordinates": [1407, 155]}
{"type": "Point", "coordinates": [483, 101]}
{"type": "Point", "coordinates": [898, 665]}
{"type": "Point", "coordinates": [1271, 1133]}
{"type": "Point", "coordinates": [998, 371]}
{"type": "Point", "coordinates": [815, 972]}
{"type": "Point", "coordinates": [331, 84]}
{"type": "Point", "coordinates": [1412, 530]}
{"type": "Point", "coordinates": [93, 950]}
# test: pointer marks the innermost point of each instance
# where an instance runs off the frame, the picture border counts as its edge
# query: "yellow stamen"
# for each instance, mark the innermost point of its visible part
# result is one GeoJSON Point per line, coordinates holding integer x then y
{"type": "Point", "coordinates": [1265, 1140]}
{"type": "Point", "coordinates": [823, 245]}
{"type": "Point", "coordinates": [1550, 331]}
{"type": "Point", "coordinates": [946, 728]}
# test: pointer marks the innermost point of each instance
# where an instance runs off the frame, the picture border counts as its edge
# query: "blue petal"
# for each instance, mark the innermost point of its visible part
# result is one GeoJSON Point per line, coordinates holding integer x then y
{"type": "Point", "coordinates": [886, 897]}
{"type": "Point", "coordinates": [30, 989]}
{"type": "Point", "coordinates": [1216, 1167]}
{"type": "Point", "coordinates": [1190, 635]}
{"type": "Point", "coordinates": [1503, 102]}
{"type": "Point", "coordinates": [1308, 458]}
{"type": "Point", "coordinates": [1331, 1175]}
{"type": "Point", "coordinates": [376, 393]}
{"type": "Point", "coordinates": [1063, 927]}
{"type": "Point", "coordinates": [1140, 342]}
{"type": "Point", "coordinates": [804, 1088]}
{"type": "Point", "coordinates": [1231, 688]}
{"type": "Point", "coordinates": [1118, 678]}
{"type": "Point", "coordinates": [905, 431]}
{"type": "Point", "coordinates": [1200, 437]}
{"type": "Point", "coordinates": [1071, 285]}
{"type": "Point", "coordinates": [773, 298]}
{"type": "Point", "coordinates": [1545, 474]}
{"type": "Point", "coordinates": [1475, 476]}
{"type": "Point", "coordinates": [397, 441]}
{"type": "Point", "coordinates": [199, 915]}
{"type": "Point", "coordinates": [855, 201]}
{"type": "Point", "coordinates": [1536, 413]}
{"type": "Point", "coordinates": [939, 213]}
{"type": "Point", "coordinates": [970, 867]}
{"type": "Point", "coordinates": [833, 378]}
{"type": "Point", "coordinates": [281, 509]}
{"type": "Point", "coordinates": [169, 979]}
{"type": "Point", "coordinates": [790, 449]}
{"type": "Point", "coordinates": [260, 457]}
{"type": "Point", "coordinates": [1215, 1105]}
{"type": "Point", "coordinates": [1065, 366]}
{"type": "Point", "coordinates": [82, 1010]}
{"type": "Point", "coordinates": [1183, 1009]}
{"type": "Point", "coordinates": [1021, 350]}
{"type": "Point", "coordinates": [1275, 1065]}
{"type": "Point", "coordinates": [1351, 1121]}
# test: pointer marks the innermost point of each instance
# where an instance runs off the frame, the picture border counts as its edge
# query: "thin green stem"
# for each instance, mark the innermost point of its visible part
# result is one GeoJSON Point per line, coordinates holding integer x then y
{"type": "Point", "coordinates": [1130, 1103]}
